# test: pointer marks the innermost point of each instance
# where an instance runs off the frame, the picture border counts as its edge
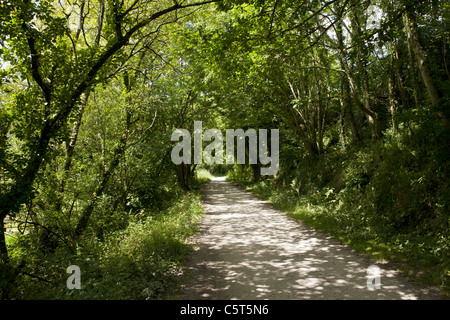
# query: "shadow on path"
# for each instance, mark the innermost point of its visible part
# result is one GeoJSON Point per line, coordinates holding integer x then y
{"type": "Point", "coordinates": [246, 249]}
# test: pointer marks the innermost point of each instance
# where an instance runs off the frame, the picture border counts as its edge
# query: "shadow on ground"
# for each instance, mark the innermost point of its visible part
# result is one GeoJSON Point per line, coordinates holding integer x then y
{"type": "Point", "coordinates": [246, 249]}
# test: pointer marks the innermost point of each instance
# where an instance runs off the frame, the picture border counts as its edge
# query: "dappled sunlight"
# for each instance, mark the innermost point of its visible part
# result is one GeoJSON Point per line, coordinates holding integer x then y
{"type": "Point", "coordinates": [246, 249]}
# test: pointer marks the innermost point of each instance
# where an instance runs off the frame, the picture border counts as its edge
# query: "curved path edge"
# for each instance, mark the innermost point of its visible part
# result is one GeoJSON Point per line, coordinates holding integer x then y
{"type": "Point", "coordinates": [248, 250]}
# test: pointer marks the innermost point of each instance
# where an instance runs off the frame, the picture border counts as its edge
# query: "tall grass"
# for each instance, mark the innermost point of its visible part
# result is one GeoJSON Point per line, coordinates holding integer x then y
{"type": "Point", "coordinates": [202, 175]}
{"type": "Point", "coordinates": [142, 261]}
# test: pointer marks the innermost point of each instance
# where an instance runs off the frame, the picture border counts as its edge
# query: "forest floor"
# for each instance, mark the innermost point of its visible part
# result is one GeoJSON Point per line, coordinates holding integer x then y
{"type": "Point", "coordinates": [246, 250]}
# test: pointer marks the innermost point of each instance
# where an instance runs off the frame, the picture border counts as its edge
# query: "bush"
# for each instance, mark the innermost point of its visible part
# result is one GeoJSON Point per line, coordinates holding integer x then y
{"type": "Point", "coordinates": [388, 199]}
{"type": "Point", "coordinates": [240, 174]}
{"type": "Point", "coordinates": [141, 261]}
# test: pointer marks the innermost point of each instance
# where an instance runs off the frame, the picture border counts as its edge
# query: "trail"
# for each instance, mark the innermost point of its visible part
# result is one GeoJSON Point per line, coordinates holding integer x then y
{"type": "Point", "coordinates": [246, 249]}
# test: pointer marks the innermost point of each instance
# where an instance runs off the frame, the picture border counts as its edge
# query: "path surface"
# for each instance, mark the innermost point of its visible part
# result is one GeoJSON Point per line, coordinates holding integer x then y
{"type": "Point", "coordinates": [246, 249]}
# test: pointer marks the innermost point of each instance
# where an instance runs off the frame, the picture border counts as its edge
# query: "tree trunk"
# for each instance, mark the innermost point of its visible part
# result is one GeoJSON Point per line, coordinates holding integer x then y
{"type": "Point", "coordinates": [350, 86]}
{"type": "Point", "coordinates": [4, 257]}
{"type": "Point", "coordinates": [118, 152]}
{"type": "Point", "coordinates": [342, 124]}
{"type": "Point", "coordinates": [422, 63]}
{"type": "Point", "coordinates": [183, 174]}
{"type": "Point", "coordinates": [256, 170]}
{"type": "Point", "coordinates": [345, 86]}
{"type": "Point", "coordinates": [412, 76]}
{"type": "Point", "coordinates": [413, 39]}
{"type": "Point", "coordinates": [400, 85]}
{"type": "Point", "coordinates": [70, 151]}
{"type": "Point", "coordinates": [392, 105]}
{"type": "Point", "coordinates": [100, 17]}
{"type": "Point", "coordinates": [7, 273]}
{"type": "Point", "coordinates": [361, 70]}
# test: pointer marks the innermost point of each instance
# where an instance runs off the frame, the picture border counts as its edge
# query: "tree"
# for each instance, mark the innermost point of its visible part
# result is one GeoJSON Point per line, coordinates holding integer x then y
{"type": "Point", "coordinates": [63, 57]}
{"type": "Point", "coordinates": [422, 62]}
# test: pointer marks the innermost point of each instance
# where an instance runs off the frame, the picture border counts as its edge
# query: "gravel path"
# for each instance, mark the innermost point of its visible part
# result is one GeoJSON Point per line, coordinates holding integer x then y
{"type": "Point", "coordinates": [248, 250]}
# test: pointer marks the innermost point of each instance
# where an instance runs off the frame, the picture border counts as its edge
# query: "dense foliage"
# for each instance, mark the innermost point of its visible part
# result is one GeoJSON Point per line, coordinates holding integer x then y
{"type": "Point", "coordinates": [91, 92]}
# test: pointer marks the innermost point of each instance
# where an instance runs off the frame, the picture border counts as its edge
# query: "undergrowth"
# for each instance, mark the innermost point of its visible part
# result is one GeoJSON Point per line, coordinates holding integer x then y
{"type": "Point", "coordinates": [387, 199]}
{"type": "Point", "coordinates": [142, 261]}
{"type": "Point", "coordinates": [421, 257]}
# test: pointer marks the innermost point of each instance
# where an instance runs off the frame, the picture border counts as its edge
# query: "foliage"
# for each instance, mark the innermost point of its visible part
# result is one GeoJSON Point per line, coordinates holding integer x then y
{"type": "Point", "coordinates": [382, 200]}
{"type": "Point", "coordinates": [141, 261]}
{"type": "Point", "coordinates": [91, 91]}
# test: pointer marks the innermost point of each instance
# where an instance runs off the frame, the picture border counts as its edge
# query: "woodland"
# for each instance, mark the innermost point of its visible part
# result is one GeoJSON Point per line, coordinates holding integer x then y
{"type": "Point", "coordinates": [92, 90]}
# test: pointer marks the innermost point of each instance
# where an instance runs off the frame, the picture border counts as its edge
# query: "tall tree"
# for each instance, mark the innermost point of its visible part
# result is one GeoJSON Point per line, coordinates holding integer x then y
{"type": "Point", "coordinates": [62, 57]}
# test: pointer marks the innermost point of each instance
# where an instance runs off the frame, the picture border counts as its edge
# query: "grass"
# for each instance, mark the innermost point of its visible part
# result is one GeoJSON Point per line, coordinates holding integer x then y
{"type": "Point", "coordinates": [142, 262]}
{"type": "Point", "coordinates": [150, 253]}
{"type": "Point", "coordinates": [10, 240]}
{"type": "Point", "coordinates": [202, 175]}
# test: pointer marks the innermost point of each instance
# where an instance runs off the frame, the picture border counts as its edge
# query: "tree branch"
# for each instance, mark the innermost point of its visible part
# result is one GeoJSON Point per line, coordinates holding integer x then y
{"type": "Point", "coordinates": [35, 64]}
